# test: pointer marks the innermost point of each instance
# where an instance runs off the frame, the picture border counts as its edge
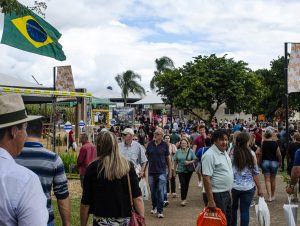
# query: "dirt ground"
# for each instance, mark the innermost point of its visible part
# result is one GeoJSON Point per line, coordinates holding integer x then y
{"type": "Point", "coordinates": [175, 215]}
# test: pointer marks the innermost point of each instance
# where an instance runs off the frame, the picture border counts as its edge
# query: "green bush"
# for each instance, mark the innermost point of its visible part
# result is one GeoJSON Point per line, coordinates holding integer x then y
{"type": "Point", "coordinates": [70, 162]}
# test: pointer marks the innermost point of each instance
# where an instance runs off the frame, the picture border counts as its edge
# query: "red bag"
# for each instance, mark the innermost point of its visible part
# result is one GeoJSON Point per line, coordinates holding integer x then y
{"type": "Point", "coordinates": [136, 220]}
{"type": "Point", "coordinates": [209, 218]}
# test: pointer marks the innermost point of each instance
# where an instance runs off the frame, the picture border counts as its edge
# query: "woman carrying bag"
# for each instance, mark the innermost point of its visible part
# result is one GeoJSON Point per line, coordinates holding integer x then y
{"type": "Point", "coordinates": [106, 192]}
{"type": "Point", "coordinates": [245, 178]}
{"type": "Point", "coordinates": [184, 160]}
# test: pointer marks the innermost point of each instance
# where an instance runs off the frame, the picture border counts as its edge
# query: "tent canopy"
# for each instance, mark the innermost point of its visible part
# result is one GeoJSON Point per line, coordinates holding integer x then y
{"type": "Point", "coordinates": [151, 98]}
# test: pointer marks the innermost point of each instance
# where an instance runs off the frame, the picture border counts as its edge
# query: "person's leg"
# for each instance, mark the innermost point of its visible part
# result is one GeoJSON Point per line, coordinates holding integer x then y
{"type": "Point", "coordinates": [273, 186]}
{"type": "Point", "coordinates": [273, 173]}
{"type": "Point", "coordinates": [246, 198]}
{"type": "Point", "coordinates": [268, 185]}
{"type": "Point", "coordinates": [81, 180]}
{"type": "Point", "coordinates": [181, 181]}
{"type": "Point", "coordinates": [152, 184]}
{"type": "Point", "coordinates": [173, 184]}
{"type": "Point", "coordinates": [266, 166]}
{"type": "Point", "coordinates": [162, 180]}
{"type": "Point", "coordinates": [234, 207]}
{"type": "Point", "coordinates": [187, 182]}
{"type": "Point", "coordinates": [227, 202]}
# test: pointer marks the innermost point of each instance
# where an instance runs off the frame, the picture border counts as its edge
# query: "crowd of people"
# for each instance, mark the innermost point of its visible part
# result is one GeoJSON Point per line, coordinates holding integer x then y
{"type": "Point", "coordinates": [227, 158]}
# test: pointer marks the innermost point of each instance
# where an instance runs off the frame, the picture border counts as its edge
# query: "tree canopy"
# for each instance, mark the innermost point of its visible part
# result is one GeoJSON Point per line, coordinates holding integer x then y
{"type": "Point", "coordinates": [207, 82]}
{"type": "Point", "coordinates": [128, 84]}
{"type": "Point", "coordinates": [8, 6]}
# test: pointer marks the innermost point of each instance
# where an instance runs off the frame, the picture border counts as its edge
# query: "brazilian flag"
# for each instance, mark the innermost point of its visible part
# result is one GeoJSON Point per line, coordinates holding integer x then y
{"type": "Point", "coordinates": [29, 32]}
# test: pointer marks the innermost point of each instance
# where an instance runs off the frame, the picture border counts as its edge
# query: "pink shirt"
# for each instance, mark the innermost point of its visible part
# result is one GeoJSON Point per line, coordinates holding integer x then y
{"type": "Point", "coordinates": [87, 154]}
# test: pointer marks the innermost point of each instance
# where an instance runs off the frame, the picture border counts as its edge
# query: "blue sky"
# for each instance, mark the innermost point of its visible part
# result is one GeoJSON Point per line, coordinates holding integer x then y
{"type": "Point", "coordinates": [104, 38]}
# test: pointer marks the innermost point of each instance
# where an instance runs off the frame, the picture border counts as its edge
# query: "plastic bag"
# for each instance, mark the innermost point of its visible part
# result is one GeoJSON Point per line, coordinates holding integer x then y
{"type": "Point", "coordinates": [209, 218]}
{"type": "Point", "coordinates": [290, 213]}
{"type": "Point", "coordinates": [144, 189]}
{"type": "Point", "coordinates": [262, 212]}
{"type": "Point", "coordinates": [74, 145]}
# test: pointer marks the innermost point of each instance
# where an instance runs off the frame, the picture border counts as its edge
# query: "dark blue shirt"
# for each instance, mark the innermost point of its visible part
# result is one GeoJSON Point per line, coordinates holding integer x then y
{"type": "Point", "coordinates": [157, 157]}
{"type": "Point", "coordinates": [201, 151]}
{"type": "Point", "coordinates": [297, 158]}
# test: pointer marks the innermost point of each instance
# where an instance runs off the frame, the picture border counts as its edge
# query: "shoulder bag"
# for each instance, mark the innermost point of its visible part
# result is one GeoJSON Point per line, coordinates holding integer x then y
{"type": "Point", "coordinates": [189, 167]}
{"type": "Point", "coordinates": [135, 219]}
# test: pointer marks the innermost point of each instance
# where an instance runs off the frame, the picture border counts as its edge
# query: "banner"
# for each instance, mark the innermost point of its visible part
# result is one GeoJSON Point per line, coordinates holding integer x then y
{"type": "Point", "coordinates": [294, 69]}
{"type": "Point", "coordinates": [64, 80]}
{"type": "Point", "coordinates": [123, 116]}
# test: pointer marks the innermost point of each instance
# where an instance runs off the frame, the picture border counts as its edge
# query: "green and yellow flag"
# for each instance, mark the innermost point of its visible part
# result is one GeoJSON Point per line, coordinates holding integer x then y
{"type": "Point", "coordinates": [29, 32]}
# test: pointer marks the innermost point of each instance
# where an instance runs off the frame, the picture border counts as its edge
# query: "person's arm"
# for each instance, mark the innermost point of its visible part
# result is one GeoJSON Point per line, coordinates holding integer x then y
{"type": "Point", "coordinates": [139, 206]}
{"type": "Point", "coordinates": [81, 156]}
{"type": "Point", "coordinates": [208, 190]}
{"type": "Point", "coordinates": [64, 210]}
{"type": "Point", "coordinates": [84, 214]}
{"type": "Point", "coordinates": [169, 165]}
{"type": "Point", "coordinates": [194, 147]}
{"type": "Point", "coordinates": [255, 176]}
{"type": "Point", "coordinates": [258, 155]}
{"type": "Point", "coordinates": [278, 155]}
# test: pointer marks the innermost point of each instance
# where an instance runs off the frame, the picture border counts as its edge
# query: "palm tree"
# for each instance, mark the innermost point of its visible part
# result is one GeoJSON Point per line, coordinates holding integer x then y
{"type": "Point", "coordinates": [162, 64]}
{"type": "Point", "coordinates": [128, 84]}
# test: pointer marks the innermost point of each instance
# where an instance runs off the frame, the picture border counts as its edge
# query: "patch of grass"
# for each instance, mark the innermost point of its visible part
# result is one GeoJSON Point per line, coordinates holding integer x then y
{"type": "Point", "coordinates": [75, 213]}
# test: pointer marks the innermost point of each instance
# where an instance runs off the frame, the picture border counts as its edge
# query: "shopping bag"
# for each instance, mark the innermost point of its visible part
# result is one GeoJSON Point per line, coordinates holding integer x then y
{"type": "Point", "coordinates": [290, 213]}
{"type": "Point", "coordinates": [210, 218]}
{"type": "Point", "coordinates": [262, 212]}
{"type": "Point", "coordinates": [144, 189]}
{"type": "Point", "coordinates": [74, 145]}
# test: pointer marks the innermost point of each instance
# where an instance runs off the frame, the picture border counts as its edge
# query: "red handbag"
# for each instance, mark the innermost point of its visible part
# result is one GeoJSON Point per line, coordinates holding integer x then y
{"type": "Point", "coordinates": [135, 219]}
{"type": "Point", "coordinates": [209, 218]}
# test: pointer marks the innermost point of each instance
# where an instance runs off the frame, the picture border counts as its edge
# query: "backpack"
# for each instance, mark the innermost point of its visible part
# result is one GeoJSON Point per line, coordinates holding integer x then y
{"type": "Point", "coordinates": [209, 218]}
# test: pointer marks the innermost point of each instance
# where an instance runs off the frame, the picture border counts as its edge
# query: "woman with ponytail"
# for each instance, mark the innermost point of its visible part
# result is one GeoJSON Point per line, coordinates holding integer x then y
{"type": "Point", "coordinates": [105, 186]}
{"type": "Point", "coordinates": [245, 178]}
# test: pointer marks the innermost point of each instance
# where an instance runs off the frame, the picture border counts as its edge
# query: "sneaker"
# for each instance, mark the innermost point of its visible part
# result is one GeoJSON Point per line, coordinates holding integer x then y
{"type": "Point", "coordinates": [200, 184]}
{"type": "Point", "coordinates": [183, 203]}
{"type": "Point", "coordinates": [160, 215]}
{"type": "Point", "coordinates": [166, 203]}
{"type": "Point", "coordinates": [174, 195]}
{"type": "Point", "coordinates": [252, 203]}
{"type": "Point", "coordinates": [154, 211]}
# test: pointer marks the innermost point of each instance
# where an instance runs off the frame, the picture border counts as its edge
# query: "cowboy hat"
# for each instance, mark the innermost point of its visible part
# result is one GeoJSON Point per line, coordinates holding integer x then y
{"type": "Point", "coordinates": [12, 111]}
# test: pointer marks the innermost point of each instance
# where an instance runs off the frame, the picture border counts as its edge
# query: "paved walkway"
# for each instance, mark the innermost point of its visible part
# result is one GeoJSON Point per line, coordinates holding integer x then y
{"type": "Point", "coordinates": [175, 215]}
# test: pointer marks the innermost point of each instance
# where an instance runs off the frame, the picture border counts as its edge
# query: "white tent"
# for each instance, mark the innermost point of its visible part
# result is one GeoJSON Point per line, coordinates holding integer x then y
{"type": "Point", "coordinates": [9, 81]}
{"type": "Point", "coordinates": [151, 98]}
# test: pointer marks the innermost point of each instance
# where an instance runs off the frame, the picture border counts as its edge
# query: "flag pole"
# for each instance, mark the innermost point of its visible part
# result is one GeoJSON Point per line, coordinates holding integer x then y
{"type": "Point", "coordinates": [286, 94]}
{"type": "Point", "coordinates": [54, 110]}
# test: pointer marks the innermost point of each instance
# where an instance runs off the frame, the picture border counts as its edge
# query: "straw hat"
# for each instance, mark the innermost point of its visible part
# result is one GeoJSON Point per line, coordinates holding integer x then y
{"type": "Point", "coordinates": [12, 110]}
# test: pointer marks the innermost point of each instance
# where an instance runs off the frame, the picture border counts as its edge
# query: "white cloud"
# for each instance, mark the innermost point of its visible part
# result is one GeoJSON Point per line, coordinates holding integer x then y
{"type": "Point", "coordinates": [104, 38]}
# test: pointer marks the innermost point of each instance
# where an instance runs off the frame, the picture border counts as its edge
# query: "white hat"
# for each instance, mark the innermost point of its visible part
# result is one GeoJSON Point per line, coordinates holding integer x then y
{"type": "Point", "coordinates": [12, 111]}
{"type": "Point", "coordinates": [128, 131]}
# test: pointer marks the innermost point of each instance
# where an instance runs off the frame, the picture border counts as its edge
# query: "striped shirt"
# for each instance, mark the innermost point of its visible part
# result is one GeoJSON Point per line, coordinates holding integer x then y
{"type": "Point", "coordinates": [50, 169]}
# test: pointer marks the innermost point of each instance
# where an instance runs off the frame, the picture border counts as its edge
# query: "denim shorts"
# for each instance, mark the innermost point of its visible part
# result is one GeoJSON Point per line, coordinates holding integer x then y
{"type": "Point", "coordinates": [269, 167]}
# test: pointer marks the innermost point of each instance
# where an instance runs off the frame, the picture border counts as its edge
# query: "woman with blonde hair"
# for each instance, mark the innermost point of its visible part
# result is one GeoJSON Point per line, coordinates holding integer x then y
{"type": "Point", "coordinates": [105, 186]}
{"type": "Point", "coordinates": [183, 157]}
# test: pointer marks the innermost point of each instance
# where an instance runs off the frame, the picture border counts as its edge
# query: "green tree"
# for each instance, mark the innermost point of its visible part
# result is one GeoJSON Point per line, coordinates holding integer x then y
{"type": "Point", "coordinates": [163, 64]}
{"type": "Point", "coordinates": [13, 5]}
{"type": "Point", "coordinates": [128, 84]}
{"type": "Point", "coordinates": [272, 103]}
{"type": "Point", "coordinates": [208, 82]}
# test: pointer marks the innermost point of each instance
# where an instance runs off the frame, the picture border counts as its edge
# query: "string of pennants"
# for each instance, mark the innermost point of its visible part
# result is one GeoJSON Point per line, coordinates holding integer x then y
{"type": "Point", "coordinates": [43, 92]}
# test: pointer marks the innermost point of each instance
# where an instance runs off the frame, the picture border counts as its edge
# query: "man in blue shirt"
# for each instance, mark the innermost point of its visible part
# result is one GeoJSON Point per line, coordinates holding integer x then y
{"type": "Point", "coordinates": [295, 174]}
{"type": "Point", "coordinates": [159, 160]}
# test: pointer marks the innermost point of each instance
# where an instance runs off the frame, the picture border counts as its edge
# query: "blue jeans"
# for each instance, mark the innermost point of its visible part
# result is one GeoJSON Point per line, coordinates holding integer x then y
{"type": "Point", "coordinates": [243, 198]}
{"type": "Point", "coordinates": [157, 183]}
{"type": "Point", "coordinates": [50, 223]}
